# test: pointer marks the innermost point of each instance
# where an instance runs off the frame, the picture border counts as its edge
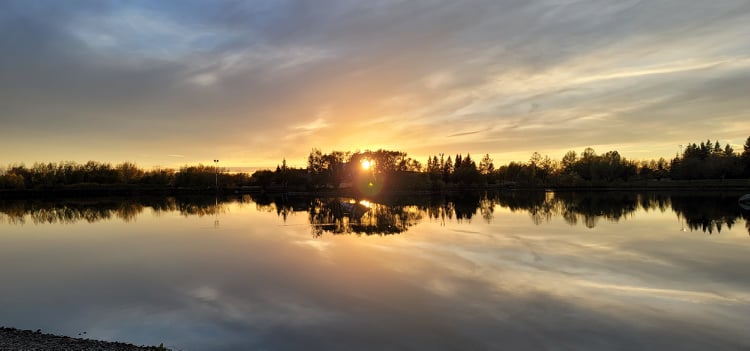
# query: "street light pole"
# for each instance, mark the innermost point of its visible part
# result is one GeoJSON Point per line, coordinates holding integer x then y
{"type": "Point", "coordinates": [216, 169]}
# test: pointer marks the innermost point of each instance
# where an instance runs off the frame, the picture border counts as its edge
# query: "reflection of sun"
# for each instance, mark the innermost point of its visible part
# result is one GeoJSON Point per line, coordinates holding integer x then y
{"type": "Point", "coordinates": [366, 164]}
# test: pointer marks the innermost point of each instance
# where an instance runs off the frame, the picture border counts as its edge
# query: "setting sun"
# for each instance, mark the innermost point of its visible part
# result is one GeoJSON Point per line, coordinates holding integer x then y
{"type": "Point", "coordinates": [367, 164]}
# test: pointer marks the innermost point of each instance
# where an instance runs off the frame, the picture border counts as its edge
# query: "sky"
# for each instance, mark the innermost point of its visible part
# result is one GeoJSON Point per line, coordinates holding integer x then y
{"type": "Point", "coordinates": [168, 83]}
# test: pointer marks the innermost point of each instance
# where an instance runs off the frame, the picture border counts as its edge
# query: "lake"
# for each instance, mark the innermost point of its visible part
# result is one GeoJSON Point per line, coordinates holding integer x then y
{"type": "Point", "coordinates": [510, 271]}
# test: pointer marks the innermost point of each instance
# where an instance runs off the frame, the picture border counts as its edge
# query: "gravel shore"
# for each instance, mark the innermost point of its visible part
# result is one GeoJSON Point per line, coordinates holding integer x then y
{"type": "Point", "coordinates": [28, 340]}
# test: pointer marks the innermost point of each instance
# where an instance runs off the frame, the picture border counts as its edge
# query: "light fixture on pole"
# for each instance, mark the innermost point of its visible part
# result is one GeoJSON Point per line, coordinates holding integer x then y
{"type": "Point", "coordinates": [216, 170]}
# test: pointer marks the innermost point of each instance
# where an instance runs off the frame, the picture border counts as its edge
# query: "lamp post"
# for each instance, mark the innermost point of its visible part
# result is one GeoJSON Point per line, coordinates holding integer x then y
{"type": "Point", "coordinates": [216, 199]}
{"type": "Point", "coordinates": [216, 169]}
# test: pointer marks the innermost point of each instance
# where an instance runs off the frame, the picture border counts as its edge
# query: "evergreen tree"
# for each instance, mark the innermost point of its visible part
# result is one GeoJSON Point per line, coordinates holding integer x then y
{"type": "Point", "coordinates": [447, 169]}
{"type": "Point", "coordinates": [467, 162]}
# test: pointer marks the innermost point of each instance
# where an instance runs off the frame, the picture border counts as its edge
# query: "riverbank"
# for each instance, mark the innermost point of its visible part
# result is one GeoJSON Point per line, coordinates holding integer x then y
{"type": "Point", "coordinates": [17, 339]}
{"type": "Point", "coordinates": [106, 190]}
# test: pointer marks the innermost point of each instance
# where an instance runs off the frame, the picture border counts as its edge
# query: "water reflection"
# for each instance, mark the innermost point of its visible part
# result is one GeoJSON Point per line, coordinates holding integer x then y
{"type": "Point", "coordinates": [341, 216]}
{"type": "Point", "coordinates": [710, 214]}
{"type": "Point", "coordinates": [96, 210]}
{"type": "Point", "coordinates": [473, 272]}
{"type": "Point", "coordinates": [704, 212]}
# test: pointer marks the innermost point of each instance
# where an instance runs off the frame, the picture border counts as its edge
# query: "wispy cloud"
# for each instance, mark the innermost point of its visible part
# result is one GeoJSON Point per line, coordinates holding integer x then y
{"type": "Point", "coordinates": [467, 133]}
{"type": "Point", "coordinates": [670, 68]}
{"type": "Point", "coordinates": [317, 124]}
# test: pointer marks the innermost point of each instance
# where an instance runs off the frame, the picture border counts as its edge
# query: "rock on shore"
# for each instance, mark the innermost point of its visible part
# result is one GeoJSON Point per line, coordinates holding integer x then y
{"type": "Point", "coordinates": [28, 340]}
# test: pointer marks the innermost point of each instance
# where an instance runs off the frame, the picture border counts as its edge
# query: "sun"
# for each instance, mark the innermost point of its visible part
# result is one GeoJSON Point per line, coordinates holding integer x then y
{"type": "Point", "coordinates": [367, 164]}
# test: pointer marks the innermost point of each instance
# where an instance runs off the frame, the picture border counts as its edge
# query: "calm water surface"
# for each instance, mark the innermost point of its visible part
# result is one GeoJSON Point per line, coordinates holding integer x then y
{"type": "Point", "coordinates": [511, 271]}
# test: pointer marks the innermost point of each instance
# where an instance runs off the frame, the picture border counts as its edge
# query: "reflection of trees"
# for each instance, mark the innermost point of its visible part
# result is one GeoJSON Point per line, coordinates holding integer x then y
{"type": "Point", "coordinates": [96, 210]}
{"type": "Point", "coordinates": [536, 203]}
{"type": "Point", "coordinates": [709, 213]}
{"type": "Point", "coordinates": [18, 212]}
{"type": "Point", "coordinates": [706, 212]}
{"type": "Point", "coordinates": [655, 201]}
{"type": "Point", "coordinates": [575, 208]}
{"type": "Point", "coordinates": [589, 208]}
{"type": "Point", "coordinates": [441, 211]}
{"type": "Point", "coordinates": [465, 206]}
{"type": "Point", "coordinates": [283, 205]}
{"type": "Point", "coordinates": [519, 201]}
{"type": "Point", "coordinates": [340, 216]}
{"type": "Point", "coordinates": [461, 208]}
{"type": "Point", "coordinates": [487, 209]}
{"type": "Point", "coordinates": [191, 206]}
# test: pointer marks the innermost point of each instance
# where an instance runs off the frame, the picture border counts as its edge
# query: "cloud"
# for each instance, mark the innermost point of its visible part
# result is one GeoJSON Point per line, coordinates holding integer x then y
{"type": "Point", "coordinates": [312, 126]}
{"type": "Point", "coordinates": [467, 133]}
{"type": "Point", "coordinates": [233, 78]}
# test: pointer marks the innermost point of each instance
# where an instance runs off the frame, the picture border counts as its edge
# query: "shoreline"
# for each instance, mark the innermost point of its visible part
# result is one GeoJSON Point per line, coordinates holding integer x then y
{"type": "Point", "coordinates": [19, 339]}
{"type": "Point", "coordinates": [99, 190]}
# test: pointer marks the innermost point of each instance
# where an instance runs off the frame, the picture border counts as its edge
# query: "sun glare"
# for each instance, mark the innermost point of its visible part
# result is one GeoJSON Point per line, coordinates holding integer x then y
{"type": "Point", "coordinates": [366, 164]}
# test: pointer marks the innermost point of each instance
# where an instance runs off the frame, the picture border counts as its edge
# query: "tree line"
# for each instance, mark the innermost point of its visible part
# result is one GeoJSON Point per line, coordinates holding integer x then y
{"type": "Point", "coordinates": [375, 171]}
{"type": "Point", "coordinates": [65, 174]}
{"type": "Point", "coordinates": [698, 161]}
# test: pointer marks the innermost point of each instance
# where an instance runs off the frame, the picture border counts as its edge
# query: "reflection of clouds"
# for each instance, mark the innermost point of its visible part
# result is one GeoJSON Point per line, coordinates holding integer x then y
{"type": "Point", "coordinates": [316, 244]}
{"type": "Point", "coordinates": [205, 293]}
{"type": "Point", "coordinates": [507, 284]}
{"type": "Point", "coordinates": [691, 296]}
{"type": "Point", "coordinates": [544, 298]}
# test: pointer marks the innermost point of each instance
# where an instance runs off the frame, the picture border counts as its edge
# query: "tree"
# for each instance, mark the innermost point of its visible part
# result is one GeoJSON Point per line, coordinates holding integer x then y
{"type": "Point", "coordinates": [128, 172]}
{"type": "Point", "coordinates": [486, 167]}
{"type": "Point", "coordinates": [589, 154]}
{"type": "Point", "coordinates": [447, 169]}
{"type": "Point", "coordinates": [315, 161]}
{"type": "Point", "coordinates": [547, 167]}
{"type": "Point", "coordinates": [535, 159]}
{"type": "Point", "coordinates": [263, 178]}
{"type": "Point", "coordinates": [728, 151]}
{"type": "Point", "coordinates": [11, 181]}
{"type": "Point", "coordinates": [535, 165]}
{"type": "Point", "coordinates": [333, 165]}
{"type": "Point", "coordinates": [569, 160]}
{"type": "Point", "coordinates": [468, 162]}
{"type": "Point", "coordinates": [466, 171]}
{"type": "Point", "coordinates": [746, 157]}
{"type": "Point", "coordinates": [662, 168]}
{"type": "Point", "coordinates": [433, 167]}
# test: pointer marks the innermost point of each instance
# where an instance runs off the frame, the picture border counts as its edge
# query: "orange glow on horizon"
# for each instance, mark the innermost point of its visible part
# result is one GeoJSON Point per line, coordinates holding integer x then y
{"type": "Point", "coordinates": [367, 164]}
